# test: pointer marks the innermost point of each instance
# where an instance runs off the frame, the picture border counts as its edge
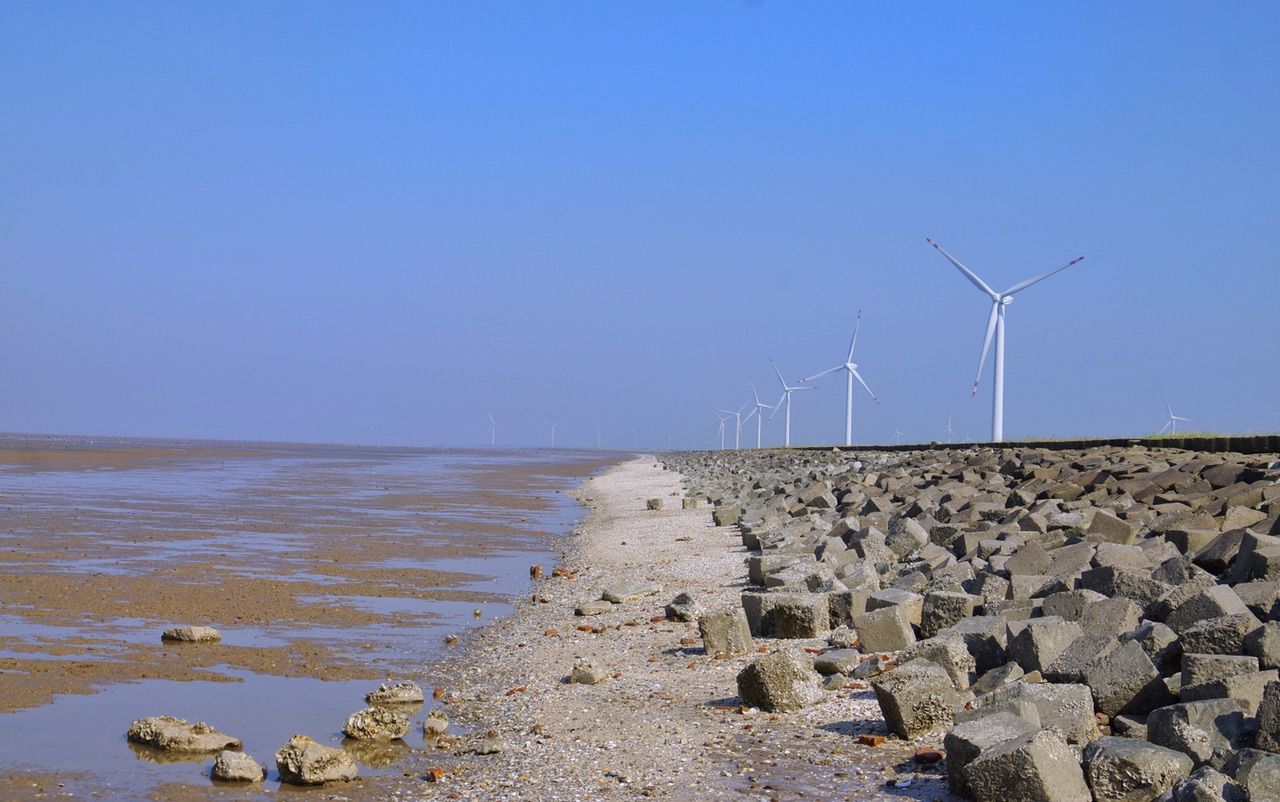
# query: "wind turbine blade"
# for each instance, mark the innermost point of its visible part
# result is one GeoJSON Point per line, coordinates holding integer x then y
{"type": "Point", "coordinates": [754, 393]}
{"type": "Point", "coordinates": [775, 370]}
{"type": "Point", "coordinates": [865, 387]}
{"type": "Point", "coordinates": [857, 324]}
{"type": "Point", "coordinates": [977, 282]}
{"type": "Point", "coordinates": [1166, 403]}
{"type": "Point", "coordinates": [1166, 426]}
{"type": "Point", "coordinates": [747, 417]}
{"type": "Point", "coordinates": [823, 373]}
{"type": "Point", "coordinates": [778, 405]}
{"type": "Point", "coordinates": [986, 344]}
{"type": "Point", "coordinates": [1019, 287]}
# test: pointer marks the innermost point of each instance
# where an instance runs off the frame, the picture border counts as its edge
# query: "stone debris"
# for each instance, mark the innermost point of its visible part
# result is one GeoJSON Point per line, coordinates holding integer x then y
{"type": "Point", "coordinates": [191, 635]}
{"type": "Point", "coordinates": [170, 734]}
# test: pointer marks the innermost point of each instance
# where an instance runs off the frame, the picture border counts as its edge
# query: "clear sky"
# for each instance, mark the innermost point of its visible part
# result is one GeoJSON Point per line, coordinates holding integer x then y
{"type": "Point", "coordinates": [382, 222]}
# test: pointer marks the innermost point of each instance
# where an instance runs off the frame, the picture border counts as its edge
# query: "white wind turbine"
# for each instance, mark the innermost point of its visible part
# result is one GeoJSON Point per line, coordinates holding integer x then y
{"type": "Point", "coordinates": [852, 368]}
{"type": "Point", "coordinates": [1171, 425]}
{"type": "Point", "coordinates": [995, 325]}
{"type": "Point", "coordinates": [724, 418]}
{"type": "Point", "coordinates": [493, 428]}
{"type": "Point", "coordinates": [787, 390]}
{"type": "Point", "coordinates": [759, 411]}
{"type": "Point", "coordinates": [553, 432]}
{"type": "Point", "coordinates": [737, 416]}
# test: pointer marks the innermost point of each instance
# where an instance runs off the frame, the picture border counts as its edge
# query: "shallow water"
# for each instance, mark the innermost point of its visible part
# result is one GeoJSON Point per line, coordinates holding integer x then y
{"type": "Point", "coordinates": [266, 513]}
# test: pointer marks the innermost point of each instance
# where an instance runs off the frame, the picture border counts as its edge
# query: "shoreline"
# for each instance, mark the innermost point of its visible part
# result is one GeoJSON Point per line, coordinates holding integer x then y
{"type": "Point", "coordinates": [667, 722]}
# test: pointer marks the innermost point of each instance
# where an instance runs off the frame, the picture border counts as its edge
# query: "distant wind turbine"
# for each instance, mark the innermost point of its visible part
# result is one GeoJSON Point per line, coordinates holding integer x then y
{"type": "Point", "coordinates": [493, 428]}
{"type": "Point", "coordinates": [737, 433]}
{"type": "Point", "coordinates": [553, 432]}
{"type": "Point", "coordinates": [787, 390]}
{"type": "Point", "coordinates": [995, 325]}
{"type": "Point", "coordinates": [897, 437]}
{"type": "Point", "coordinates": [724, 417]}
{"type": "Point", "coordinates": [759, 410]}
{"type": "Point", "coordinates": [1172, 425]}
{"type": "Point", "coordinates": [852, 368]}
{"type": "Point", "coordinates": [949, 432]}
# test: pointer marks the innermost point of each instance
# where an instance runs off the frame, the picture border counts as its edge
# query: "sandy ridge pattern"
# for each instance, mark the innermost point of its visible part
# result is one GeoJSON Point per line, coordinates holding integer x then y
{"type": "Point", "coordinates": [668, 723]}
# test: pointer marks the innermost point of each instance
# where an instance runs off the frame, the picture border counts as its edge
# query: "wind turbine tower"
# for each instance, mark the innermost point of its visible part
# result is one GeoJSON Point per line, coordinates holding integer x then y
{"type": "Point", "coordinates": [759, 410]}
{"type": "Point", "coordinates": [493, 428]}
{"type": "Point", "coordinates": [995, 325]}
{"type": "Point", "coordinates": [852, 368]}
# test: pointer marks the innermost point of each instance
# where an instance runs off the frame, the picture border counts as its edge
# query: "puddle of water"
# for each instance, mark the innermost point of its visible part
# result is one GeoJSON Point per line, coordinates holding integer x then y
{"type": "Point", "coordinates": [262, 711]}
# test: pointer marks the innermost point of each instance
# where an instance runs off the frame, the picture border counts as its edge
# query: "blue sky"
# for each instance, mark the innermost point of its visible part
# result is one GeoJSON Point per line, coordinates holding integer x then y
{"type": "Point", "coordinates": [379, 223]}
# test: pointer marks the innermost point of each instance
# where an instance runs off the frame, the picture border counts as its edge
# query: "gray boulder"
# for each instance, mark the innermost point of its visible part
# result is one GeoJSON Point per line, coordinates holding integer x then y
{"type": "Point", "coordinates": [780, 682]}
{"type": "Point", "coordinates": [969, 739]}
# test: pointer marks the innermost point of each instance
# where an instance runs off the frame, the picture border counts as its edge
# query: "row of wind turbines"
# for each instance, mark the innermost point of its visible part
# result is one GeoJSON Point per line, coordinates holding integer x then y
{"type": "Point", "coordinates": [994, 331]}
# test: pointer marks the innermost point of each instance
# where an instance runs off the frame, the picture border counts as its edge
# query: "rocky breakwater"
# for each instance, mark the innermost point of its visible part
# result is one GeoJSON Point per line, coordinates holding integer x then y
{"type": "Point", "coordinates": [1084, 626]}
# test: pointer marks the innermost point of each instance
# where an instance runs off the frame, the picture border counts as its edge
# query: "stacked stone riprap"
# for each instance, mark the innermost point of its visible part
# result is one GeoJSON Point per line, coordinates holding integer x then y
{"type": "Point", "coordinates": [1089, 625]}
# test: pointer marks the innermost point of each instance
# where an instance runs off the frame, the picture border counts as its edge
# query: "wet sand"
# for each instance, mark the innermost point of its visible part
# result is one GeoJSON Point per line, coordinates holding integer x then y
{"type": "Point", "coordinates": [317, 563]}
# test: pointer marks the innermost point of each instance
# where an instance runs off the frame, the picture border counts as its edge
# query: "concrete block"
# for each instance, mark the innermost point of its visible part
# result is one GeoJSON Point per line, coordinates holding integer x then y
{"type": "Point", "coordinates": [1129, 770]}
{"type": "Point", "coordinates": [1070, 605]}
{"type": "Point", "coordinates": [725, 632]}
{"type": "Point", "coordinates": [1223, 635]}
{"type": "Point", "coordinates": [942, 609]}
{"type": "Point", "coordinates": [1041, 767]}
{"type": "Point", "coordinates": [1198, 668]}
{"type": "Point", "coordinates": [1112, 616]}
{"type": "Point", "coordinates": [1208, 732]}
{"type": "Point", "coordinates": [968, 740]}
{"type": "Point", "coordinates": [947, 651]}
{"type": "Point", "coordinates": [913, 603]}
{"type": "Point", "coordinates": [1125, 681]}
{"type": "Point", "coordinates": [1041, 641]}
{"type": "Point", "coordinates": [1264, 644]}
{"type": "Point", "coordinates": [986, 637]}
{"type": "Point", "coordinates": [916, 698]}
{"type": "Point", "coordinates": [1212, 602]}
{"type": "Point", "coordinates": [780, 682]}
{"type": "Point", "coordinates": [885, 630]}
{"type": "Point", "coordinates": [1066, 707]}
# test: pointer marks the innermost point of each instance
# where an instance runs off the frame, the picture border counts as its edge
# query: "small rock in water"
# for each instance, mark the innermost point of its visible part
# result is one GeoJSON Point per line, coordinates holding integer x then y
{"type": "Point", "coordinates": [233, 767]}
{"type": "Point", "coordinates": [403, 692]}
{"type": "Point", "coordinates": [302, 761]}
{"type": "Point", "coordinates": [535, 572]}
{"type": "Point", "coordinates": [171, 734]}
{"type": "Point", "coordinates": [377, 724]}
{"type": "Point", "coordinates": [192, 634]}
{"type": "Point", "coordinates": [435, 724]}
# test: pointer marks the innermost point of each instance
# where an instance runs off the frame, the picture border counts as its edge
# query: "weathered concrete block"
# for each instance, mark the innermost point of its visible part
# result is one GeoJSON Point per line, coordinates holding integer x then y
{"type": "Point", "coordinates": [885, 630]}
{"type": "Point", "coordinates": [725, 632]}
{"type": "Point", "coordinates": [1256, 771]}
{"type": "Point", "coordinates": [1264, 644]}
{"type": "Point", "coordinates": [1222, 635]}
{"type": "Point", "coordinates": [986, 637]}
{"type": "Point", "coordinates": [837, 661]}
{"type": "Point", "coordinates": [947, 651]}
{"type": "Point", "coordinates": [1207, 785]}
{"type": "Point", "coordinates": [1041, 767]}
{"type": "Point", "coordinates": [1212, 602]}
{"type": "Point", "coordinates": [1085, 650]}
{"type": "Point", "coordinates": [966, 741]}
{"type": "Point", "coordinates": [1066, 707]}
{"type": "Point", "coordinates": [1107, 527]}
{"type": "Point", "coordinates": [1198, 668]}
{"type": "Point", "coordinates": [801, 615]}
{"type": "Point", "coordinates": [1125, 681]}
{"type": "Point", "coordinates": [1129, 770]}
{"type": "Point", "coordinates": [781, 682]}
{"type": "Point", "coordinates": [1041, 641]}
{"type": "Point", "coordinates": [1160, 643]}
{"type": "Point", "coordinates": [1247, 688]}
{"type": "Point", "coordinates": [1069, 605]}
{"type": "Point", "coordinates": [916, 698]}
{"type": "Point", "coordinates": [913, 603]}
{"type": "Point", "coordinates": [1111, 616]}
{"type": "Point", "coordinates": [1269, 718]}
{"type": "Point", "coordinates": [1208, 732]}
{"type": "Point", "coordinates": [942, 609]}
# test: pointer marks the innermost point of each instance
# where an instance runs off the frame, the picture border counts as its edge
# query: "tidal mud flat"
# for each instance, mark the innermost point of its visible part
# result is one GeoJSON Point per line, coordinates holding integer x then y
{"type": "Point", "coordinates": [327, 570]}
